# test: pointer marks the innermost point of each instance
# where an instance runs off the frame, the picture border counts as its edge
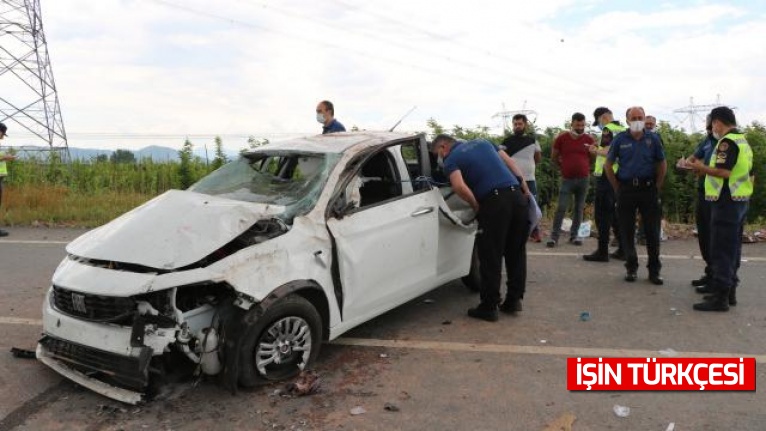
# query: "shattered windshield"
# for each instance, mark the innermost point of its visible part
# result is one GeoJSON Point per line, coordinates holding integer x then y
{"type": "Point", "coordinates": [290, 179]}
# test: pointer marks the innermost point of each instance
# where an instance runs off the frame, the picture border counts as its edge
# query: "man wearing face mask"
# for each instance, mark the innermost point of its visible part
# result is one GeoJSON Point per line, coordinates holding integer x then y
{"type": "Point", "coordinates": [526, 152]}
{"type": "Point", "coordinates": [604, 211]}
{"type": "Point", "coordinates": [637, 184]}
{"type": "Point", "coordinates": [728, 188]}
{"type": "Point", "coordinates": [493, 185]}
{"type": "Point", "coordinates": [651, 123]}
{"type": "Point", "coordinates": [703, 152]}
{"type": "Point", "coordinates": [326, 117]}
{"type": "Point", "coordinates": [571, 154]}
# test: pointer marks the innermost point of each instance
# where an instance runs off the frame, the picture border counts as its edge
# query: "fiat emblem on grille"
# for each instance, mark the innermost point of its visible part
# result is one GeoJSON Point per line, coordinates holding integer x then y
{"type": "Point", "coordinates": [78, 303]}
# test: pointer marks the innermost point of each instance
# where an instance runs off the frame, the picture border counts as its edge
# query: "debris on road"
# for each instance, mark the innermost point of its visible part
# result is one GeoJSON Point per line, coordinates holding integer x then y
{"type": "Point", "coordinates": [383, 355]}
{"type": "Point", "coordinates": [674, 311]}
{"type": "Point", "coordinates": [447, 322]}
{"type": "Point", "coordinates": [23, 353]}
{"type": "Point", "coordinates": [358, 410]}
{"type": "Point", "coordinates": [621, 411]}
{"type": "Point", "coordinates": [584, 316]}
{"type": "Point", "coordinates": [671, 427]}
{"type": "Point", "coordinates": [668, 352]}
{"type": "Point", "coordinates": [307, 383]}
{"type": "Point", "coordinates": [562, 423]}
{"type": "Point", "coordinates": [391, 407]}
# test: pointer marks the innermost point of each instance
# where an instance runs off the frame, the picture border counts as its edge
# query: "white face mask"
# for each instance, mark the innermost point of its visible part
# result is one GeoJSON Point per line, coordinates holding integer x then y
{"type": "Point", "coordinates": [636, 126]}
{"type": "Point", "coordinates": [320, 117]}
{"type": "Point", "coordinates": [716, 136]}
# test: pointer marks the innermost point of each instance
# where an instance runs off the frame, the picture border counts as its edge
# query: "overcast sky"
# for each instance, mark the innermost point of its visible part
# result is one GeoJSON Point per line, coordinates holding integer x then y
{"type": "Point", "coordinates": [132, 73]}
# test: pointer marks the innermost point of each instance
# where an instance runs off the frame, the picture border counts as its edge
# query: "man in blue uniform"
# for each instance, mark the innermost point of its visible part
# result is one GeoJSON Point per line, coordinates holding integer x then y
{"type": "Point", "coordinates": [637, 184]}
{"type": "Point", "coordinates": [728, 188]}
{"type": "Point", "coordinates": [326, 117]}
{"type": "Point", "coordinates": [703, 152]}
{"type": "Point", "coordinates": [489, 180]}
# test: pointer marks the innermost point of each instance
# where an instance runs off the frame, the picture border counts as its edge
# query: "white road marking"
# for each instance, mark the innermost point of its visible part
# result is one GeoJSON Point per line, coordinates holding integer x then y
{"type": "Point", "coordinates": [15, 241]}
{"type": "Point", "coordinates": [642, 256]}
{"type": "Point", "coordinates": [583, 352]}
{"type": "Point", "coordinates": [7, 320]}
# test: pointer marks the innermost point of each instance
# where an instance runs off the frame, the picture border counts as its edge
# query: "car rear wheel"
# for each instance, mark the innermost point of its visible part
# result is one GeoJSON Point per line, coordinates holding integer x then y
{"type": "Point", "coordinates": [282, 343]}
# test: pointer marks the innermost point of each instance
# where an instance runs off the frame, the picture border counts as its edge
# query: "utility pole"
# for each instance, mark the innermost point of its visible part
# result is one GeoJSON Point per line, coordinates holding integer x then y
{"type": "Point", "coordinates": [29, 101]}
{"type": "Point", "coordinates": [505, 115]}
{"type": "Point", "coordinates": [694, 112]}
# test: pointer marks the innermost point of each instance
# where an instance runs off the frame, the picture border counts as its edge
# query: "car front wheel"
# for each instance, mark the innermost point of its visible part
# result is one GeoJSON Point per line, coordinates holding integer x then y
{"type": "Point", "coordinates": [282, 343]}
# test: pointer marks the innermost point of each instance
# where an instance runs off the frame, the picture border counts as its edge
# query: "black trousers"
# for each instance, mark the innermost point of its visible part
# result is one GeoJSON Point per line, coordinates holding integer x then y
{"type": "Point", "coordinates": [503, 224]}
{"type": "Point", "coordinates": [702, 219]}
{"type": "Point", "coordinates": [727, 220]}
{"type": "Point", "coordinates": [645, 199]}
{"type": "Point", "coordinates": [605, 214]}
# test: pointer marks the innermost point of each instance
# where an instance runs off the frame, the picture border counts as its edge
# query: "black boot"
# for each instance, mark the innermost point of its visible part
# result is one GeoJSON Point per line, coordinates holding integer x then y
{"type": "Point", "coordinates": [484, 312]}
{"type": "Point", "coordinates": [719, 301]}
{"type": "Point", "coordinates": [704, 289]}
{"type": "Point", "coordinates": [618, 254]}
{"type": "Point", "coordinates": [511, 306]}
{"type": "Point", "coordinates": [596, 256]}
{"type": "Point", "coordinates": [701, 282]}
{"type": "Point", "coordinates": [732, 296]}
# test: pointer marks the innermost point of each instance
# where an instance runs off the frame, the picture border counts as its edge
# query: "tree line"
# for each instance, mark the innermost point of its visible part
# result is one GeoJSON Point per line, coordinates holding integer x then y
{"type": "Point", "coordinates": [122, 173]}
{"type": "Point", "coordinates": [679, 191]}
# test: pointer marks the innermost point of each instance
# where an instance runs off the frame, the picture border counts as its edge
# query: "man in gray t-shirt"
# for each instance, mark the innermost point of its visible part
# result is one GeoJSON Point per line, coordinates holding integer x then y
{"type": "Point", "coordinates": [526, 152]}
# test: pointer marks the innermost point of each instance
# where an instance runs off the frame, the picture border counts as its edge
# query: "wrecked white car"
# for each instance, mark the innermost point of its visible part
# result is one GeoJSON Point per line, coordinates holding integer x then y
{"type": "Point", "coordinates": [246, 273]}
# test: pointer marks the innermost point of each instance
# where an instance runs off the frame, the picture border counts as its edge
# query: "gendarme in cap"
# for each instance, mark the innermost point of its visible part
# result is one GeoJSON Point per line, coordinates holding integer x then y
{"type": "Point", "coordinates": [601, 110]}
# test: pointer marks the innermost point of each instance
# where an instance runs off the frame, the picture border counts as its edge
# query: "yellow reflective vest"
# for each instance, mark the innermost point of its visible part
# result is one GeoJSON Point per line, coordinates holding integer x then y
{"type": "Point", "coordinates": [3, 166]}
{"type": "Point", "coordinates": [598, 168]}
{"type": "Point", "coordinates": [740, 183]}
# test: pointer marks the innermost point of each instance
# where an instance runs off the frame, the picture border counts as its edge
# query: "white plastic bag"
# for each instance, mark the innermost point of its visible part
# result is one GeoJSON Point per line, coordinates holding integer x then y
{"type": "Point", "coordinates": [535, 215]}
{"type": "Point", "coordinates": [584, 230]}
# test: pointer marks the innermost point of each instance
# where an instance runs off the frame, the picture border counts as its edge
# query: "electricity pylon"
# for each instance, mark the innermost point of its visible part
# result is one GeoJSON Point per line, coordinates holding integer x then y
{"type": "Point", "coordinates": [29, 102]}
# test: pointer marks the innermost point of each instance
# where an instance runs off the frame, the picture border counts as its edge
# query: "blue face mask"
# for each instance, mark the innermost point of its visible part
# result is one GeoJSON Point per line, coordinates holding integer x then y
{"type": "Point", "coordinates": [320, 117]}
{"type": "Point", "coordinates": [600, 127]}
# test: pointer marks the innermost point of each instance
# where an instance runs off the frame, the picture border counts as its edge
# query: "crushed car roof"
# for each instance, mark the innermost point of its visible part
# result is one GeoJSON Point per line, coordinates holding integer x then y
{"type": "Point", "coordinates": [335, 142]}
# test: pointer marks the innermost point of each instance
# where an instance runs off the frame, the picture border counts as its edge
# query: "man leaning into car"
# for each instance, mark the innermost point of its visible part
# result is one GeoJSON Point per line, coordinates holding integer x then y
{"type": "Point", "coordinates": [489, 180]}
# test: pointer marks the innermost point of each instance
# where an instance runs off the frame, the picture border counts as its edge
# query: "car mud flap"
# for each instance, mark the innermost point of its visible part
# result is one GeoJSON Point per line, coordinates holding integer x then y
{"type": "Point", "coordinates": [233, 327]}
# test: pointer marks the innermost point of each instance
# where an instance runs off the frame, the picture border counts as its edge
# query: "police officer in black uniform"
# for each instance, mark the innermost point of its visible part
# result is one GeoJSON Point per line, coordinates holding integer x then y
{"type": "Point", "coordinates": [489, 180]}
{"type": "Point", "coordinates": [637, 184]}
{"type": "Point", "coordinates": [728, 188]}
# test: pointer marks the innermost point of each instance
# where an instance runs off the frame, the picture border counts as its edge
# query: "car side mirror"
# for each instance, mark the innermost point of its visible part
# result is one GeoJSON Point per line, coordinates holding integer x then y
{"type": "Point", "coordinates": [340, 208]}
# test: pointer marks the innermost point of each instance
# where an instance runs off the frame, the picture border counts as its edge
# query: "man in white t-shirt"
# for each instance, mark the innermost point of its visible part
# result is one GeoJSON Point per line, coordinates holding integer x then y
{"type": "Point", "coordinates": [526, 152]}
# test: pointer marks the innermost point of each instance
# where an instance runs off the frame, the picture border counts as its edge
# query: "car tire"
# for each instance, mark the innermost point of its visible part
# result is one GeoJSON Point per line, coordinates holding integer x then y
{"type": "Point", "coordinates": [284, 341]}
{"type": "Point", "coordinates": [473, 280]}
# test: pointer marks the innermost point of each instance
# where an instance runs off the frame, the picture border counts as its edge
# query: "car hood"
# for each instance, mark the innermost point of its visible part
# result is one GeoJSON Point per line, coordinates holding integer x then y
{"type": "Point", "coordinates": [173, 230]}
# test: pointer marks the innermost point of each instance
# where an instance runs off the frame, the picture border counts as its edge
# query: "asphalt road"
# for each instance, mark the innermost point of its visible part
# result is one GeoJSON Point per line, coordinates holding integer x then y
{"type": "Point", "coordinates": [439, 369]}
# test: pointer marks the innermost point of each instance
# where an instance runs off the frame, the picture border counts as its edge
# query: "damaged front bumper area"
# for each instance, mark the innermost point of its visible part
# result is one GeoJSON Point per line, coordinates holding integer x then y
{"type": "Point", "coordinates": [127, 347]}
{"type": "Point", "coordinates": [78, 363]}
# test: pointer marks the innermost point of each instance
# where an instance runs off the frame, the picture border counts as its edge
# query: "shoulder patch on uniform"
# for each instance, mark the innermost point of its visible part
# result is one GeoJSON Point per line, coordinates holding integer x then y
{"type": "Point", "coordinates": [723, 146]}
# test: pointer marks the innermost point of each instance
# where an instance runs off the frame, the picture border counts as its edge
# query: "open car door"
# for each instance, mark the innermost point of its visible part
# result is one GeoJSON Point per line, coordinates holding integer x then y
{"type": "Point", "coordinates": [386, 245]}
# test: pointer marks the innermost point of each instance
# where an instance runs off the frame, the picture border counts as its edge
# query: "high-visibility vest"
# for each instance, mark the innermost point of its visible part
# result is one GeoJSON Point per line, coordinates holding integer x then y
{"type": "Point", "coordinates": [3, 166]}
{"type": "Point", "coordinates": [598, 168]}
{"type": "Point", "coordinates": [740, 182]}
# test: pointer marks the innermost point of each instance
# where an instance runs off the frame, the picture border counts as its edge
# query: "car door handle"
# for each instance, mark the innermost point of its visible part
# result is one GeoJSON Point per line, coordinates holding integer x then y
{"type": "Point", "coordinates": [422, 211]}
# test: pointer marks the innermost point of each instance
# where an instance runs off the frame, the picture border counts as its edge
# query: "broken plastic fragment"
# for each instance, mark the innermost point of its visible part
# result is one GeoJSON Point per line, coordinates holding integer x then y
{"type": "Point", "coordinates": [358, 410]}
{"type": "Point", "coordinates": [23, 353]}
{"type": "Point", "coordinates": [621, 411]}
{"type": "Point", "coordinates": [668, 352]}
{"type": "Point", "coordinates": [584, 316]}
{"type": "Point", "coordinates": [391, 407]}
{"type": "Point", "coordinates": [671, 427]}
